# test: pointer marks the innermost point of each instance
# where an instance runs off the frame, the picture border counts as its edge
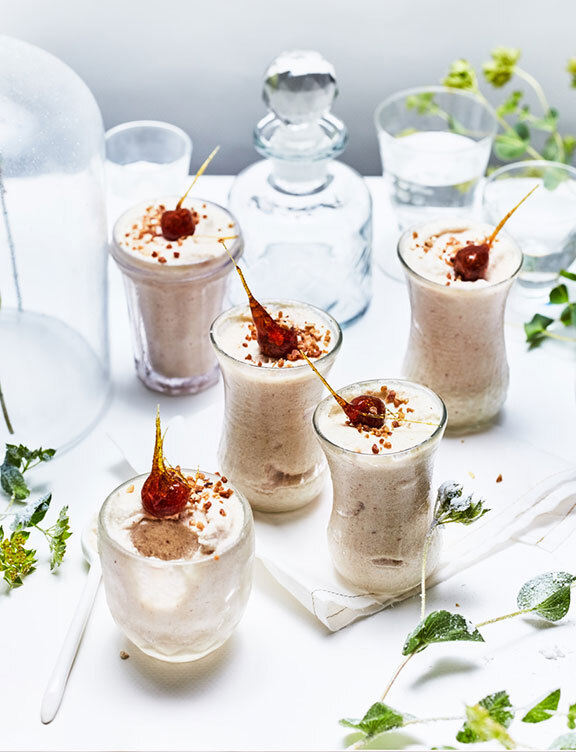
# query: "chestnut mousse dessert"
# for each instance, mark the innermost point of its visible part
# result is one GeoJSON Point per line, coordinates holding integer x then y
{"type": "Point", "coordinates": [175, 273]}
{"type": "Point", "coordinates": [267, 447]}
{"type": "Point", "coordinates": [459, 275]}
{"type": "Point", "coordinates": [380, 439]}
{"type": "Point", "coordinates": [177, 548]}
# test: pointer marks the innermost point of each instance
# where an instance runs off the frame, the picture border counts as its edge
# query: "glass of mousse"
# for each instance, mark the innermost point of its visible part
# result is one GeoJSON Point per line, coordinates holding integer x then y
{"type": "Point", "coordinates": [459, 275]}
{"type": "Point", "coordinates": [267, 447]}
{"type": "Point", "coordinates": [177, 549]}
{"type": "Point", "coordinates": [175, 286]}
{"type": "Point", "coordinates": [380, 438]}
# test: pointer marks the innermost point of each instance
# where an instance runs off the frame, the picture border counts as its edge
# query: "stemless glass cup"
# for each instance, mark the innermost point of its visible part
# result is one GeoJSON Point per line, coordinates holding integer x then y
{"type": "Point", "coordinates": [267, 447]}
{"type": "Point", "coordinates": [545, 227]}
{"type": "Point", "coordinates": [146, 158]}
{"type": "Point", "coordinates": [383, 503]}
{"type": "Point", "coordinates": [171, 308]}
{"type": "Point", "coordinates": [433, 160]}
{"type": "Point", "coordinates": [456, 344]}
{"type": "Point", "coordinates": [178, 610]}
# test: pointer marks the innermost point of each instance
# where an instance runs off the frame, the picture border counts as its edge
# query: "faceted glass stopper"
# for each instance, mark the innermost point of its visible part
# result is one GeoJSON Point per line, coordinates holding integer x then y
{"type": "Point", "coordinates": [299, 87]}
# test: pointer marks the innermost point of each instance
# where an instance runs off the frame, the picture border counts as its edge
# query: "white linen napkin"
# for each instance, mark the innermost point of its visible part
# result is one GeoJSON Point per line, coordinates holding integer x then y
{"type": "Point", "coordinates": [525, 510]}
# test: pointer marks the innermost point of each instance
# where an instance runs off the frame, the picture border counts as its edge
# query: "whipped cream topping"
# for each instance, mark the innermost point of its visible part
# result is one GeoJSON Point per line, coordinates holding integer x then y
{"type": "Point", "coordinates": [412, 416]}
{"type": "Point", "coordinates": [430, 248]}
{"type": "Point", "coordinates": [139, 234]}
{"type": "Point", "coordinates": [215, 515]}
{"type": "Point", "coordinates": [236, 334]}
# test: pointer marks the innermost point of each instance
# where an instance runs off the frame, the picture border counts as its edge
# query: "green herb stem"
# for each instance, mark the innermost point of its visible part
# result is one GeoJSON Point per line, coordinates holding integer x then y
{"type": "Point", "coordinates": [531, 81]}
{"type": "Point", "coordinates": [507, 127]}
{"type": "Point", "coordinates": [5, 412]}
{"type": "Point", "coordinates": [425, 551]}
{"type": "Point", "coordinates": [395, 676]}
{"type": "Point", "coordinates": [506, 616]}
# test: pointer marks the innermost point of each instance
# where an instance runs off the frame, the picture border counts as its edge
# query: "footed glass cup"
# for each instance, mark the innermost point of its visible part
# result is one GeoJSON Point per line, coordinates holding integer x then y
{"type": "Point", "coordinates": [382, 504]}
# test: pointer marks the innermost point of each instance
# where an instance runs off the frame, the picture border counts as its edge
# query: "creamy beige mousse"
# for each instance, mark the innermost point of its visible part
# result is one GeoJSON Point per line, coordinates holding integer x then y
{"type": "Point", "coordinates": [175, 289]}
{"type": "Point", "coordinates": [382, 485]}
{"type": "Point", "coordinates": [456, 344]}
{"type": "Point", "coordinates": [177, 586]}
{"type": "Point", "coordinates": [268, 448]}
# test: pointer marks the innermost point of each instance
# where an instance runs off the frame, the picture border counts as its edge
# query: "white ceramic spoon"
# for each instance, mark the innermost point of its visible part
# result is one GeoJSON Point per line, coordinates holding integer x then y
{"type": "Point", "coordinates": [57, 684]}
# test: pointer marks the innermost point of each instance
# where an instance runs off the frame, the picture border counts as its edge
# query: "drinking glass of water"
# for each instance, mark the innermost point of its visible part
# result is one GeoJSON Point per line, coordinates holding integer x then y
{"type": "Point", "coordinates": [435, 143]}
{"type": "Point", "coordinates": [145, 159]}
{"type": "Point", "coordinates": [545, 226]}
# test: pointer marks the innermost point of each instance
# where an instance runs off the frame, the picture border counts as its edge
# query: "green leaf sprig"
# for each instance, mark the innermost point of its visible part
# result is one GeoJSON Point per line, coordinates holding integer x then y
{"type": "Point", "coordinates": [548, 595]}
{"type": "Point", "coordinates": [17, 561]}
{"type": "Point", "coordinates": [516, 119]}
{"type": "Point", "coordinates": [537, 329]}
{"type": "Point", "coordinates": [487, 720]}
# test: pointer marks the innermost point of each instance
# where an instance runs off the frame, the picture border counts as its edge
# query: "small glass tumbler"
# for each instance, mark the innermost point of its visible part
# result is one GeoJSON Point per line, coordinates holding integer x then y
{"type": "Point", "coordinates": [267, 447]}
{"type": "Point", "coordinates": [383, 503]}
{"type": "Point", "coordinates": [146, 158]}
{"type": "Point", "coordinates": [456, 344]}
{"type": "Point", "coordinates": [435, 143]}
{"type": "Point", "coordinates": [176, 610]}
{"type": "Point", "coordinates": [545, 226]}
{"type": "Point", "coordinates": [171, 308]}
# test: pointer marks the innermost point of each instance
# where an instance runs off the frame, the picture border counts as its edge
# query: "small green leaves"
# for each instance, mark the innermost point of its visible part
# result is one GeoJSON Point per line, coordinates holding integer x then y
{"type": "Point", "coordinates": [59, 534]}
{"type": "Point", "coordinates": [451, 507]}
{"type": "Point", "coordinates": [568, 275]}
{"type": "Point", "coordinates": [500, 69]}
{"type": "Point", "coordinates": [510, 106]}
{"type": "Point", "coordinates": [423, 103]}
{"type": "Point", "coordinates": [544, 710]}
{"type": "Point", "coordinates": [22, 457]}
{"type": "Point", "coordinates": [548, 595]}
{"type": "Point", "coordinates": [571, 720]}
{"type": "Point", "coordinates": [379, 717]}
{"type": "Point", "coordinates": [480, 726]}
{"type": "Point", "coordinates": [13, 483]}
{"type": "Point", "coordinates": [32, 514]}
{"type": "Point", "coordinates": [566, 741]}
{"type": "Point", "coordinates": [16, 561]}
{"type": "Point", "coordinates": [499, 709]}
{"type": "Point", "coordinates": [510, 146]}
{"type": "Point", "coordinates": [535, 329]}
{"type": "Point", "coordinates": [17, 460]}
{"type": "Point", "coordinates": [440, 626]}
{"type": "Point", "coordinates": [568, 315]}
{"type": "Point", "coordinates": [461, 75]}
{"type": "Point", "coordinates": [559, 294]}
{"type": "Point", "coordinates": [571, 69]}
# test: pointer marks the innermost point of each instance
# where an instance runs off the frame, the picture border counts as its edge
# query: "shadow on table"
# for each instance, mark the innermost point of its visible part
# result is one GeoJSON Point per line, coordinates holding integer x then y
{"type": "Point", "coordinates": [446, 667]}
{"type": "Point", "coordinates": [388, 740]}
{"type": "Point", "coordinates": [177, 678]}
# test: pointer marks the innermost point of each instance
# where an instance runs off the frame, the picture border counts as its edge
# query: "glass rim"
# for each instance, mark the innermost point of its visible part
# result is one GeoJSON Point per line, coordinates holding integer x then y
{"type": "Point", "coordinates": [527, 163]}
{"type": "Point", "coordinates": [283, 302]}
{"type": "Point", "coordinates": [380, 382]}
{"type": "Point", "coordinates": [153, 124]}
{"type": "Point", "coordinates": [438, 88]}
{"type": "Point", "coordinates": [174, 273]}
{"type": "Point", "coordinates": [466, 290]}
{"type": "Point", "coordinates": [160, 563]}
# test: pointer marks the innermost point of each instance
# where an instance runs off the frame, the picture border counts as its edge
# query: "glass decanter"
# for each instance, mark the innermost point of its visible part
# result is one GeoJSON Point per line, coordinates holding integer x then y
{"type": "Point", "coordinates": [306, 218]}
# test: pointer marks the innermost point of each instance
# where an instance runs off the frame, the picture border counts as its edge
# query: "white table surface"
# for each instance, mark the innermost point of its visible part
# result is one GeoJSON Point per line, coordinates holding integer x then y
{"type": "Point", "coordinates": [282, 681]}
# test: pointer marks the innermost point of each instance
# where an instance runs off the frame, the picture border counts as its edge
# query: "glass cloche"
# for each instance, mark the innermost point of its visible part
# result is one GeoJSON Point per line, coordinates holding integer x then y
{"type": "Point", "coordinates": [54, 370]}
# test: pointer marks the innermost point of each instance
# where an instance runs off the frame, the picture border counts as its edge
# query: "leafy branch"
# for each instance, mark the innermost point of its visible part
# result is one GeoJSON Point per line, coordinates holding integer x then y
{"type": "Point", "coordinates": [548, 595]}
{"type": "Point", "coordinates": [537, 329]}
{"type": "Point", "coordinates": [17, 561]}
{"type": "Point", "coordinates": [514, 114]}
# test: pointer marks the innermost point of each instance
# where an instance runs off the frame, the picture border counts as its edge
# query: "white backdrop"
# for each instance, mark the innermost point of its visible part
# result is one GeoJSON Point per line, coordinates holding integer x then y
{"type": "Point", "coordinates": [200, 64]}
